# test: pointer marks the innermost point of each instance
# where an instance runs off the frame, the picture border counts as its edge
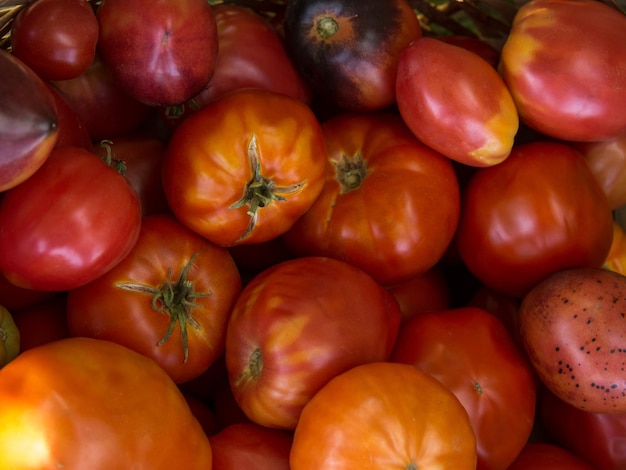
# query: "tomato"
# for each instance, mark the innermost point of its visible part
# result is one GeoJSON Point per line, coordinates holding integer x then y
{"type": "Point", "coordinates": [616, 259]}
{"type": "Point", "coordinates": [249, 445]}
{"type": "Point", "coordinates": [578, 100]}
{"type": "Point", "coordinates": [455, 102]}
{"type": "Point", "coordinates": [383, 415]}
{"type": "Point", "coordinates": [349, 49]}
{"type": "Point", "coordinates": [72, 130]}
{"type": "Point", "coordinates": [169, 299]}
{"type": "Point", "coordinates": [69, 223]}
{"type": "Point", "coordinates": [245, 167]}
{"type": "Point", "coordinates": [86, 403]}
{"type": "Point", "coordinates": [598, 438]}
{"type": "Point", "coordinates": [572, 328]}
{"type": "Point", "coordinates": [389, 205]}
{"type": "Point", "coordinates": [9, 337]}
{"type": "Point", "coordinates": [470, 352]}
{"type": "Point", "coordinates": [160, 52]}
{"type": "Point", "coordinates": [56, 38]}
{"type": "Point", "coordinates": [539, 211]}
{"type": "Point", "coordinates": [141, 155]}
{"type": "Point", "coordinates": [547, 456]}
{"type": "Point", "coordinates": [298, 324]}
{"type": "Point", "coordinates": [43, 322]}
{"type": "Point", "coordinates": [28, 122]}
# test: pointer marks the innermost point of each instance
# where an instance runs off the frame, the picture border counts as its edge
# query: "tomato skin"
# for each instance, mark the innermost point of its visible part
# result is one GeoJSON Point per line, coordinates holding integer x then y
{"type": "Point", "coordinates": [547, 456]}
{"type": "Point", "coordinates": [70, 222]}
{"type": "Point", "coordinates": [291, 309]}
{"type": "Point", "coordinates": [539, 211]}
{"type": "Point", "coordinates": [577, 100]}
{"type": "Point", "coordinates": [160, 52]}
{"type": "Point", "coordinates": [383, 415]}
{"type": "Point", "coordinates": [470, 352]}
{"type": "Point", "coordinates": [207, 171]}
{"type": "Point", "coordinates": [349, 49]}
{"type": "Point", "coordinates": [376, 209]}
{"type": "Point", "coordinates": [56, 38]}
{"type": "Point", "coordinates": [103, 309]}
{"type": "Point", "coordinates": [81, 402]}
{"type": "Point", "coordinates": [476, 125]}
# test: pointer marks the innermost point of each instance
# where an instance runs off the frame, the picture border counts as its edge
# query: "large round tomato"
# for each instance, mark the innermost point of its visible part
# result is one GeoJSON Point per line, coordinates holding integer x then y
{"type": "Point", "coordinates": [169, 299]}
{"type": "Point", "coordinates": [383, 415]}
{"type": "Point", "coordinates": [390, 205]}
{"type": "Point", "coordinates": [539, 211]}
{"type": "Point", "coordinates": [69, 223]}
{"type": "Point", "coordinates": [470, 352]}
{"type": "Point", "coordinates": [245, 167]}
{"type": "Point", "coordinates": [87, 403]}
{"type": "Point", "coordinates": [298, 324]}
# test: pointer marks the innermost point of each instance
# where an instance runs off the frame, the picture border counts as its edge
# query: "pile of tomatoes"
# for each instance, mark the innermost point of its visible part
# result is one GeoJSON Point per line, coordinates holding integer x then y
{"type": "Point", "coordinates": [320, 238]}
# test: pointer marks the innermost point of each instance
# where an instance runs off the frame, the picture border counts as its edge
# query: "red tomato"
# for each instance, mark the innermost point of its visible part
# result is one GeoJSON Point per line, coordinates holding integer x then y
{"type": "Point", "coordinates": [169, 299]}
{"type": "Point", "coordinates": [245, 167]}
{"type": "Point", "coordinates": [389, 206]}
{"type": "Point", "coordinates": [383, 415]}
{"type": "Point", "coordinates": [581, 99]}
{"type": "Point", "coordinates": [298, 324]}
{"type": "Point", "coordinates": [470, 352]}
{"type": "Point", "coordinates": [69, 223]}
{"type": "Point", "coordinates": [161, 52]}
{"type": "Point", "coordinates": [86, 403]}
{"type": "Point", "coordinates": [455, 102]}
{"type": "Point", "coordinates": [546, 456]}
{"type": "Point", "coordinates": [56, 38]}
{"type": "Point", "coordinates": [249, 445]}
{"type": "Point", "coordinates": [539, 211]}
{"type": "Point", "coordinates": [43, 322]}
{"type": "Point", "coordinates": [598, 438]}
{"type": "Point", "coordinates": [349, 50]}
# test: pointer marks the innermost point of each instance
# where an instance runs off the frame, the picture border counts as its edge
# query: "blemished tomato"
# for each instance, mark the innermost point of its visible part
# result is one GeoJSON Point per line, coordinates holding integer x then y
{"type": "Point", "coordinates": [616, 259]}
{"type": "Point", "coordinates": [87, 403]}
{"type": "Point", "coordinates": [579, 100]}
{"type": "Point", "coordinates": [390, 204]}
{"type": "Point", "coordinates": [169, 299]}
{"type": "Point", "coordinates": [69, 223]}
{"type": "Point", "coordinates": [471, 353]}
{"type": "Point", "coordinates": [56, 38]}
{"type": "Point", "coordinates": [43, 322]}
{"type": "Point", "coordinates": [245, 167]}
{"type": "Point", "coordinates": [383, 415]}
{"type": "Point", "coordinates": [298, 324]}
{"type": "Point", "coordinates": [539, 211]}
{"type": "Point", "coordinates": [250, 445]}
{"type": "Point", "coordinates": [349, 49]}
{"type": "Point", "coordinates": [598, 438]}
{"type": "Point", "coordinates": [161, 52]}
{"type": "Point", "coordinates": [548, 456]}
{"type": "Point", "coordinates": [456, 102]}
{"type": "Point", "coordinates": [9, 337]}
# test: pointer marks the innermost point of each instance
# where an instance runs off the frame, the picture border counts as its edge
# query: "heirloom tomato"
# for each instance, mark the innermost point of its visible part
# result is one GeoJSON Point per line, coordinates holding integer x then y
{"type": "Point", "coordinates": [470, 352]}
{"type": "Point", "coordinates": [383, 415]}
{"type": "Point", "coordinates": [67, 224]}
{"type": "Point", "coordinates": [298, 324]}
{"type": "Point", "coordinates": [9, 337]}
{"type": "Point", "coordinates": [161, 52]}
{"type": "Point", "coordinates": [88, 403]}
{"type": "Point", "coordinates": [539, 211]}
{"type": "Point", "coordinates": [569, 97]}
{"type": "Point", "coordinates": [56, 38]}
{"type": "Point", "coordinates": [455, 102]}
{"type": "Point", "coordinates": [349, 49]}
{"type": "Point", "coordinates": [245, 167]}
{"type": "Point", "coordinates": [548, 456]}
{"type": "Point", "coordinates": [169, 299]}
{"type": "Point", "coordinates": [390, 204]}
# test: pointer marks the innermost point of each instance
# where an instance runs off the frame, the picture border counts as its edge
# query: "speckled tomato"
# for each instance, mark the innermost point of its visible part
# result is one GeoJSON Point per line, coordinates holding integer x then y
{"type": "Point", "coordinates": [573, 328]}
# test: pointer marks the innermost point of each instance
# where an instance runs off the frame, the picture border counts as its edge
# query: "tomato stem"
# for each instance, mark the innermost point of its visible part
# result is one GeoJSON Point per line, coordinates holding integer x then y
{"type": "Point", "coordinates": [350, 172]}
{"type": "Point", "coordinates": [326, 27]}
{"type": "Point", "coordinates": [110, 160]}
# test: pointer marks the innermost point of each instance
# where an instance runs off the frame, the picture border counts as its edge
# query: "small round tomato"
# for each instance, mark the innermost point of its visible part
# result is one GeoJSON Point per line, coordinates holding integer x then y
{"type": "Point", "coordinates": [539, 211]}
{"type": "Point", "coordinates": [169, 299]}
{"type": "Point", "coordinates": [245, 167]}
{"type": "Point", "coordinates": [9, 337]}
{"type": "Point", "coordinates": [384, 415]}
{"type": "Point", "coordinates": [390, 204]}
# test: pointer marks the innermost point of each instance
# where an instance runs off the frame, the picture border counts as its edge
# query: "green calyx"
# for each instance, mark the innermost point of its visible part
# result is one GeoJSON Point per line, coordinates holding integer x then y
{"type": "Point", "coordinates": [350, 172]}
